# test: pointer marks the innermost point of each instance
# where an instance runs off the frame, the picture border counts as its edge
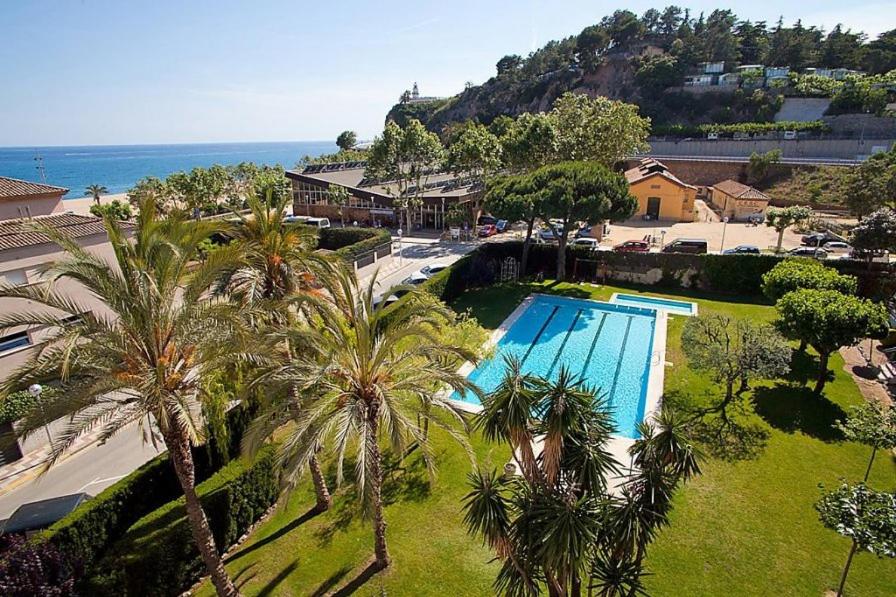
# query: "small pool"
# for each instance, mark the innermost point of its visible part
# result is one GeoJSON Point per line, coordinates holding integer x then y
{"type": "Point", "coordinates": [651, 302]}
{"type": "Point", "coordinates": [610, 345]}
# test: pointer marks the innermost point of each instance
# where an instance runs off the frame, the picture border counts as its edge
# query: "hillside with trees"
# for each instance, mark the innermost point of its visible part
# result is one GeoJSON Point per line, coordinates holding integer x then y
{"type": "Point", "coordinates": [646, 59]}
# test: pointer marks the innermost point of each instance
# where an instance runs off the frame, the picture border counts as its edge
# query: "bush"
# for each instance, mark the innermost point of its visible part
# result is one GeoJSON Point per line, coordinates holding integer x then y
{"type": "Point", "coordinates": [333, 239]}
{"type": "Point", "coordinates": [17, 405]}
{"type": "Point", "coordinates": [793, 274]}
{"type": "Point", "coordinates": [375, 238]}
{"type": "Point", "coordinates": [32, 568]}
{"type": "Point", "coordinates": [157, 556]}
{"type": "Point", "coordinates": [89, 530]}
{"type": "Point", "coordinates": [753, 128]}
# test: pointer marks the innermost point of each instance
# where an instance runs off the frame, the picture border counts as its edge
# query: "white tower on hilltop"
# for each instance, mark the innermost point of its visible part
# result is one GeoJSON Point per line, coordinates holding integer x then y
{"type": "Point", "coordinates": [415, 92]}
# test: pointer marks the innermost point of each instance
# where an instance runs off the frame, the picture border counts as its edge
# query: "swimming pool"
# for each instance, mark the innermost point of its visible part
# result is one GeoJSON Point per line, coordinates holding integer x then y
{"type": "Point", "coordinates": [610, 345]}
{"type": "Point", "coordinates": [651, 302]}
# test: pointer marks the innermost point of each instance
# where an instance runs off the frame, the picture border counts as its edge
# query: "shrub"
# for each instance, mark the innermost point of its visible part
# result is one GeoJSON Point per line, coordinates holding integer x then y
{"type": "Point", "coordinates": [89, 530]}
{"type": "Point", "coordinates": [34, 568]}
{"type": "Point", "coordinates": [793, 274]}
{"type": "Point", "coordinates": [374, 238]}
{"type": "Point", "coordinates": [333, 239]}
{"type": "Point", "coordinates": [17, 405]}
{"type": "Point", "coordinates": [158, 556]}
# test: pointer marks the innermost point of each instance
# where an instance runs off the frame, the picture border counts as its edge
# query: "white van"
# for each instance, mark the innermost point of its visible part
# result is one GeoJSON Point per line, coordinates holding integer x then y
{"type": "Point", "coordinates": [309, 221]}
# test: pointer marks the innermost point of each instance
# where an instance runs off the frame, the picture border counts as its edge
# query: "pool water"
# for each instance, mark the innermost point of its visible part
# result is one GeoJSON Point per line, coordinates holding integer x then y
{"type": "Point", "coordinates": [609, 345]}
{"type": "Point", "coordinates": [652, 302]}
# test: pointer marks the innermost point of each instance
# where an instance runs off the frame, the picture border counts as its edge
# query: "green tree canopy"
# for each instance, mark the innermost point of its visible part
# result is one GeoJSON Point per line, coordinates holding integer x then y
{"type": "Point", "coordinates": [513, 198]}
{"type": "Point", "coordinates": [875, 232]}
{"type": "Point", "coordinates": [795, 273]}
{"type": "Point", "coordinates": [407, 156]}
{"type": "Point", "coordinates": [865, 516]}
{"type": "Point", "coordinates": [475, 153]}
{"type": "Point", "coordinates": [782, 218]}
{"type": "Point", "coordinates": [872, 424]}
{"type": "Point", "coordinates": [734, 351]}
{"type": "Point", "coordinates": [117, 210]}
{"type": "Point", "coordinates": [530, 142]}
{"type": "Point", "coordinates": [827, 320]}
{"type": "Point", "coordinates": [581, 192]}
{"type": "Point", "coordinates": [597, 129]}
{"type": "Point", "coordinates": [347, 140]}
{"type": "Point", "coordinates": [873, 184]}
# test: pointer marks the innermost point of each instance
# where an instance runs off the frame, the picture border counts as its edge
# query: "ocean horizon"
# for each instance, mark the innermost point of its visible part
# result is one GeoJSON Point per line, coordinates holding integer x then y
{"type": "Point", "coordinates": [118, 167]}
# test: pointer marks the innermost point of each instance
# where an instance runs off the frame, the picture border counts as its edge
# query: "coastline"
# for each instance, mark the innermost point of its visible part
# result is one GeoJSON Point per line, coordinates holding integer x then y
{"type": "Point", "coordinates": [81, 205]}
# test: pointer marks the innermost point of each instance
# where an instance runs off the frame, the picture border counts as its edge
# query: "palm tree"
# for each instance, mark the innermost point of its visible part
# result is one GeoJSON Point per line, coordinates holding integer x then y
{"type": "Point", "coordinates": [95, 190]}
{"type": "Point", "coordinates": [277, 262]}
{"type": "Point", "coordinates": [145, 361]}
{"type": "Point", "coordinates": [371, 371]}
{"type": "Point", "coordinates": [559, 524]}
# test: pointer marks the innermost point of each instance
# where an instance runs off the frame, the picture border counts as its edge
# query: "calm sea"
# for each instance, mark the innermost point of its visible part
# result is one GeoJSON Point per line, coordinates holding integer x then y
{"type": "Point", "coordinates": [118, 167]}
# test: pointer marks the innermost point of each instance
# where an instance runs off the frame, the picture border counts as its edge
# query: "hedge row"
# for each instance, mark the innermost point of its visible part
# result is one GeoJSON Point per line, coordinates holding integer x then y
{"type": "Point", "coordinates": [157, 556]}
{"type": "Point", "coordinates": [731, 274]}
{"type": "Point", "coordinates": [817, 126]}
{"type": "Point", "coordinates": [377, 237]}
{"type": "Point", "coordinates": [333, 239]}
{"type": "Point", "coordinates": [88, 532]}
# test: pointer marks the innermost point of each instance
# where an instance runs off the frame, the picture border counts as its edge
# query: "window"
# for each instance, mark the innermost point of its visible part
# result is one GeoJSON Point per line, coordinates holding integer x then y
{"type": "Point", "coordinates": [14, 341]}
{"type": "Point", "coordinates": [13, 277]}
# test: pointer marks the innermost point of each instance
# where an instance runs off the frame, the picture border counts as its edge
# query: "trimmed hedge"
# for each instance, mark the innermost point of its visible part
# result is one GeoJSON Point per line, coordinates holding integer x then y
{"type": "Point", "coordinates": [731, 274]}
{"type": "Point", "coordinates": [375, 238]}
{"type": "Point", "coordinates": [157, 556]}
{"type": "Point", "coordinates": [684, 130]}
{"type": "Point", "coordinates": [96, 524]}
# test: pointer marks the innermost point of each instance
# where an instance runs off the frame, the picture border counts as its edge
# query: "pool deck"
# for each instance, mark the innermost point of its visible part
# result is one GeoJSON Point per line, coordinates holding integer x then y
{"type": "Point", "coordinates": [618, 445]}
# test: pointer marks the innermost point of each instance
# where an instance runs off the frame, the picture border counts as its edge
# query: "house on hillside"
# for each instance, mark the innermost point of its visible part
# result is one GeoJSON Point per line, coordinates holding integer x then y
{"type": "Point", "coordinates": [737, 201]}
{"type": "Point", "coordinates": [661, 195]}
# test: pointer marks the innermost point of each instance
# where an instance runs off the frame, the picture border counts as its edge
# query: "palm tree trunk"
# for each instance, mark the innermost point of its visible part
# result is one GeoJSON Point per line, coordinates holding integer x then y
{"type": "Point", "coordinates": [182, 460]}
{"type": "Point", "coordinates": [320, 485]}
{"type": "Point", "coordinates": [822, 372]}
{"type": "Point", "coordinates": [375, 471]}
{"type": "Point", "coordinates": [852, 552]}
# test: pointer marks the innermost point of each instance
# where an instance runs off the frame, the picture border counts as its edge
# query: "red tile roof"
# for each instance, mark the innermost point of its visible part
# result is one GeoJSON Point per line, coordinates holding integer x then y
{"type": "Point", "coordinates": [23, 232]}
{"type": "Point", "coordinates": [739, 191]}
{"type": "Point", "coordinates": [650, 167]}
{"type": "Point", "coordinates": [13, 187]}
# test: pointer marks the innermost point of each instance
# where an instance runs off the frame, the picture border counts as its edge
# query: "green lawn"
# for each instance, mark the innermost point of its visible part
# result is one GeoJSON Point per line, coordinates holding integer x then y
{"type": "Point", "coordinates": [745, 527]}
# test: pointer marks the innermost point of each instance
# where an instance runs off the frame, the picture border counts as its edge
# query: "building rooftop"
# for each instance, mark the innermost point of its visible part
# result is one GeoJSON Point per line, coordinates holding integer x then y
{"type": "Point", "coordinates": [739, 190]}
{"type": "Point", "coordinates": [351, 175]}
{"type": "Point", "coordinates": [18, 233]}
{"type": "Point", "coordinates": [13, 187]}
{"type": "Point", "coordinates": [650, 167]}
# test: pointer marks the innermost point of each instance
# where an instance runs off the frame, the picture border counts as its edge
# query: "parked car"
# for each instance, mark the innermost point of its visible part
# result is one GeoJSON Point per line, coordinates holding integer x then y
{"type": "Point", "coordinates": [316, 222]}
{"type": "Point", "coordinates": [415, 279]}
{"type": "Point", "coordinates": [584, 232]}
{"type": "Point", "coordinates": [837, 246]}
{"type": "Point", "coordinates": [633, 246]}
{"type": "Point", "coordinates": [742, 250]}
{"type": "Point", "coordinates": [34, 516]}
{"type": "Point", "coordinates": [502, 225]}
{"type": "Point", "coordinates": [488, 230]}
{"type": "Point", "coordinates": [815, 252]}
{"type": "Point", "coordinates": [696, 246]}
{"type": "Point", "coordinates": [548, 235]}
{"type": "Point", "coordinates": [591, 243]}
{"type": "Point", "coordinates": [485, 220]}
{"type": "Point", "coordinates": [430, 270]}
{"type": "Point", "coordinates": [818, 239]}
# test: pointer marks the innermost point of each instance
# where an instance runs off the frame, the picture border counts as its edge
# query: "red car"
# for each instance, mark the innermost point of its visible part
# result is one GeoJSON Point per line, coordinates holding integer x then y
{"type": "Point", "coordinates": [488, 230]}
{"type": "Point", "coordinates": [633, 246]}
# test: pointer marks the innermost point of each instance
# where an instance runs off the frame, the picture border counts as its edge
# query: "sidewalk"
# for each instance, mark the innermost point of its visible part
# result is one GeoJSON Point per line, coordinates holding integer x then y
{"type": "Point", "coordinates": [32, 464]}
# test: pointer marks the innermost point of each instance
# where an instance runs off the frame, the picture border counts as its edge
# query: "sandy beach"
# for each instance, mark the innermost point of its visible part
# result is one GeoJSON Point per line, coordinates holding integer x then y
{"type": "Point", "coordinates": [81, 205]}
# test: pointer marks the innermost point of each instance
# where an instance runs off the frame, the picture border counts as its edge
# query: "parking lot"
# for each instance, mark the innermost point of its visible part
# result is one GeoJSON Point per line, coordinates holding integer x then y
{"type": "Point", "coordinates": [714, 233]}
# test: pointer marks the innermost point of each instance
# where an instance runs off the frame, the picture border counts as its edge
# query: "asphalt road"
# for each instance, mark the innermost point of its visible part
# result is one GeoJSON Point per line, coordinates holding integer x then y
{"type": "Point", "coordinates": [91, 470]}
{"type": "Point", "coordinates": [96, 467]}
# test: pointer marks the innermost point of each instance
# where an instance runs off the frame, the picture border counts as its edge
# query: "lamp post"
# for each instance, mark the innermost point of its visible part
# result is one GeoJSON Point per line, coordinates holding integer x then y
{"type": "Point", "coordinates": [36, 390]}
{"type": "Point", "coordinates": [400, 245]}
{"type": "Point", "coordinates": [307, 204]}
{"type": "Point", "coordinates": [724, 228]}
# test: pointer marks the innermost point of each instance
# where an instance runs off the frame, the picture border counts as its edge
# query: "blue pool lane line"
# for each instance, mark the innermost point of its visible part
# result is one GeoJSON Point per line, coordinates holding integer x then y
{"type": "Point", "coordinates": [628, 327]}
{"type": "Point", "coordinates": [565, 340]}
{"type": "Point", "coordinates": [540, 332]}
{"type": "Point", "coordinates": [600, 326]}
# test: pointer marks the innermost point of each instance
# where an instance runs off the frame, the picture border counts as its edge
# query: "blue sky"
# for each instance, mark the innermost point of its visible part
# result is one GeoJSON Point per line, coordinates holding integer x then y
{"type": "Point", "coordinates": [163, 71]}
